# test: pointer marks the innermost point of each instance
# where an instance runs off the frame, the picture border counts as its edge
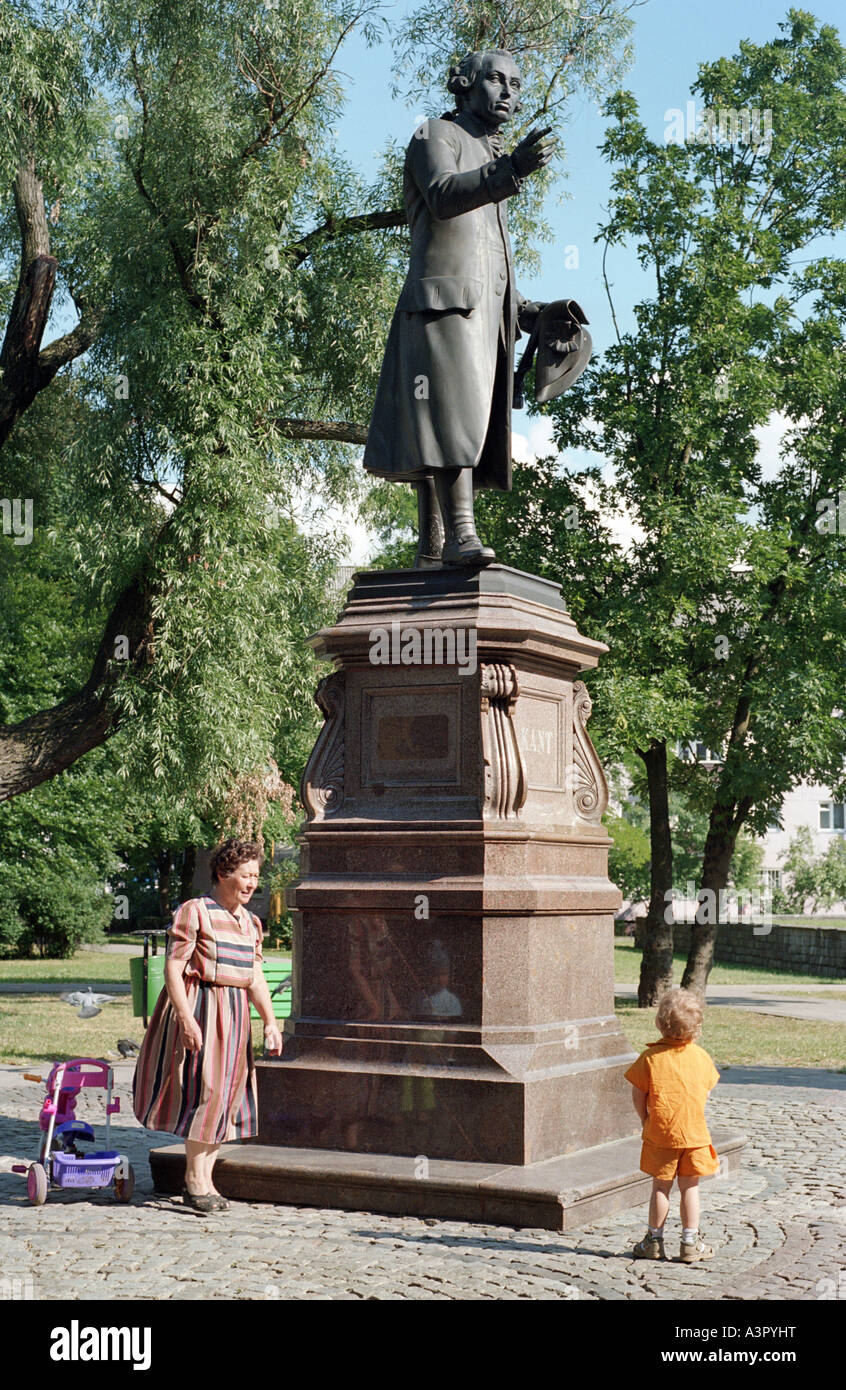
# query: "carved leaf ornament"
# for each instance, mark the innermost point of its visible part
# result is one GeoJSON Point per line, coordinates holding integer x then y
{"type": "Point", "coordinates": [505, 774]}
{"type": "Point", "coordinates": [591, 789]}
{"type": "Point", "coordinates": [322, 785]}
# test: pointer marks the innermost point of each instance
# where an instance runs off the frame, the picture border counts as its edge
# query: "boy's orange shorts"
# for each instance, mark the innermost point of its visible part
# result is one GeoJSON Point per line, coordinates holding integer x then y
{"type": "Point", "coordinates": [678, 1163]}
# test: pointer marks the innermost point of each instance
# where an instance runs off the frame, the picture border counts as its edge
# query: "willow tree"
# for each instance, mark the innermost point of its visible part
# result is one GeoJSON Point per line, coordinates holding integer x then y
{"type": "Point", "coordinates": [170, 192]}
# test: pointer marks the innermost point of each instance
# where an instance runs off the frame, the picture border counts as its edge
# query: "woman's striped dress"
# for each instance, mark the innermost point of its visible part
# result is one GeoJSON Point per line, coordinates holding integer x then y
{"type": "Point", "coordinates": [210, 1095]}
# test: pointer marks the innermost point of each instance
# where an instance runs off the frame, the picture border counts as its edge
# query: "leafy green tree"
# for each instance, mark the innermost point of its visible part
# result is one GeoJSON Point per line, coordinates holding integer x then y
{"type": "Point", "coordinates": [776, 705]}
{"type": "Point", "coordinates": [135, 834]}
{"type": "Point", "coordinates": [689, 830]}
{"type": "Point", "coordinates": [725, 612]}
{"type": "Point", "coordinates": [171, 171]}
{"type": "Point", "coordinates": [628, 859]}
{"type": "Point", "coordinates": [57, 852]}
{"type": "Point", "coordinates": [810, 881]}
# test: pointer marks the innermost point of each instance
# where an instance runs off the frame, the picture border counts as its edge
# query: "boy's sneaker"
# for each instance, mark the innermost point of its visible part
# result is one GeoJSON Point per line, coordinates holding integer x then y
{"type": "Point", "coordinates": [692, 1250]}
{"type": "Point", "coordinates": [650, 1248]}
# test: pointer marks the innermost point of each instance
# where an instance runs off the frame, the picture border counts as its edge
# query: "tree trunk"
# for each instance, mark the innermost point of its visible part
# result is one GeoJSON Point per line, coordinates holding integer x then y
{"type": "Point", "coordinates": [656, 970]}
{"type": "Point", "coordinates": [31, 305]}
{"type": "Point", "coordinates": [186, 874]}
{"type": "Point", "coordinates": [37, 748]}
{"type": "Point", "coordinates": [723, 828]}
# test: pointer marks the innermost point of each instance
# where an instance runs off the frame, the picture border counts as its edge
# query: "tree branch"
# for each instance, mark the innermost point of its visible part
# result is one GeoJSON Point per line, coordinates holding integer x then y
{"type": "Point", "coordinates": [341, 431]}
{"type": "Point", "coordinates": [335, 227]}
{"type": "Point", "coordinates": [70, 346]}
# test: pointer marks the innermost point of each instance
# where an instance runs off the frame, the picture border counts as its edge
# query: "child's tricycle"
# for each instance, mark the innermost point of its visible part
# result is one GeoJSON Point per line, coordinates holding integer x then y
{"type": "Point", "coordinates": [60, 1162]}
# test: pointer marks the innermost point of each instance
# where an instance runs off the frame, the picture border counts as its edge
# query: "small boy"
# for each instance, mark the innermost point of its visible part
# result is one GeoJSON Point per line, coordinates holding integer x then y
{"type": "Point", "coordinates": [671, 1081]}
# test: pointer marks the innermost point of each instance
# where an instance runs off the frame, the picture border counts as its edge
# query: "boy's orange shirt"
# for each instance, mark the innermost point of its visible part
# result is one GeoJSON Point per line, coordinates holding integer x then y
{"type": "Point", "coordinates": [677, 1078]}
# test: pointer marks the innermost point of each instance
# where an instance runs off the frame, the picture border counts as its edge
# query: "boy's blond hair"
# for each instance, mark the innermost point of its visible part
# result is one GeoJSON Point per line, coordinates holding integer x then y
{"type": "Point", "coordinates": [679, 1015]}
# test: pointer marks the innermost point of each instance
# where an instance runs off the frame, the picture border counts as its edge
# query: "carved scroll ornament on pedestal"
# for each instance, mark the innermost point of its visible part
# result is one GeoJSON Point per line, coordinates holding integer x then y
{"type": "Point", "coordinates": [505, 775]}
{"type": "Point", "coordinates": [322, 785]}
{"type": "Point", "coordinates": [590, 792]}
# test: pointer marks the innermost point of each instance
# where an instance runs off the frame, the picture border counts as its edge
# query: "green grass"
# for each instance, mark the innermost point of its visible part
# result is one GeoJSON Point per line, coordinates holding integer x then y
{"type": "Point", "coordinates": [104, 967]}
{"type": "Point", "coordinates": [28, 1021]}
{"type": "Point", "coordinates": [732, 1037]}
{"type": "Point", "coordinates": [627, 970]}
{"type": "Point", "coordinates": [736, 1037]}
{"type": "Point", "coordinates": [39, 1029]}
{"type": "Point", "coordinates": [85, 968]}
{"type": "Point", "coordinates": [784, 920]}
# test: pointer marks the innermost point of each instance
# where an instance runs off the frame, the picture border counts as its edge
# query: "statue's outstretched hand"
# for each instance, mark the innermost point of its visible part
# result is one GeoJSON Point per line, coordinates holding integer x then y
{"type": "Point", "coordinates": [533, 152]}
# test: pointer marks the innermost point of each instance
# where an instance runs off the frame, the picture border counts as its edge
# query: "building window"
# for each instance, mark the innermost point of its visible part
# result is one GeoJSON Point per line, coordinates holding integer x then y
{"type": "Point", "coordinates": [832, 815]}
{"type": "Point", "coordinates": [695, 751]}
{"type": "Point", "coordinates": [772, 880]}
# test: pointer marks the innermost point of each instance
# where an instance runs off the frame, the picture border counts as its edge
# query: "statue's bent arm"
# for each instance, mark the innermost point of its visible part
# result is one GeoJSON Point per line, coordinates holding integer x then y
{"type": "Point", "coordinates": [447, 193]}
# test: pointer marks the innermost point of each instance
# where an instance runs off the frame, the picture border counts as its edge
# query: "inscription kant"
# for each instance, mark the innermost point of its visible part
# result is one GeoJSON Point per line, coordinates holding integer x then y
{"type": "Point", "coordinates": [537, 740]}
{"type": "Point", "coordinates": [538, 721]}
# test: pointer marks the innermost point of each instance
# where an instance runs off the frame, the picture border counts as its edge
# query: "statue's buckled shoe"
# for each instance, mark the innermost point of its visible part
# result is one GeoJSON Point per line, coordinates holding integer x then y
{"type": "Point", "coordinates": [467, 550]}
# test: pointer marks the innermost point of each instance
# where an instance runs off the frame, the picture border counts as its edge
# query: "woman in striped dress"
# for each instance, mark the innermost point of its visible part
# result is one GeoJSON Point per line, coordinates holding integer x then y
{"type": "Point", "coordinates": [195, 1075]}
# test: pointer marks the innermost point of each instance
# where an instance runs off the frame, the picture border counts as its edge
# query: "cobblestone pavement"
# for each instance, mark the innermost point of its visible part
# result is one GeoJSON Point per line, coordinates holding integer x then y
{"type": "Point", "coordinates": [779, 1227]}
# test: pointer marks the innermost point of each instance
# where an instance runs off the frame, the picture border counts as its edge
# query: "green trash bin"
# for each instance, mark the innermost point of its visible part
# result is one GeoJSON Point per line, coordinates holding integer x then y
{"type": "Point", "coordinates": [155, 983]}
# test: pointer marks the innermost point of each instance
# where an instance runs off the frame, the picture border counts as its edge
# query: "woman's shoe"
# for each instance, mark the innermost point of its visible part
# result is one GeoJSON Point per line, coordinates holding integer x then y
{"type": "Point", "coordinates": [206, 1203]}
{"type": "Point", "coordinates": [220, 1202]}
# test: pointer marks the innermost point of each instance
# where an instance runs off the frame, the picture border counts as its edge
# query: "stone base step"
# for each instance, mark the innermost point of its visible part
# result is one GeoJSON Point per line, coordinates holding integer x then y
{"type": "Point", "coordinates": [556, 1195]}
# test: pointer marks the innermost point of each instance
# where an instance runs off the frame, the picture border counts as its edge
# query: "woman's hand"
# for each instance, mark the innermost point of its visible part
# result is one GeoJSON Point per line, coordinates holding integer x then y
{"type": "Point", "coordinates": [192, 1033]}
{"type": "Point", "coordinates": [272, 1038]}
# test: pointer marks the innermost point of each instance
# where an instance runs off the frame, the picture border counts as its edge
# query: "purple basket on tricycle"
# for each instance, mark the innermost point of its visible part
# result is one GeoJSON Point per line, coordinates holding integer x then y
{"type": "Point", "coordinates": [90, 1170]}
{"type": "Point", "coordinates": [60, 1162]}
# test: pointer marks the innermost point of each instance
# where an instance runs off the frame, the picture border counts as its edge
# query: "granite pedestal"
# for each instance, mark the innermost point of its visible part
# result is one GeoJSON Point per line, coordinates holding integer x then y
{"type": "Point", "coordinates": [453, 990]}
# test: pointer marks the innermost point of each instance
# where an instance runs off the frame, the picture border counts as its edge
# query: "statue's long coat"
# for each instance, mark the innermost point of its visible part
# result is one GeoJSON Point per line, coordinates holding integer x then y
{"type": "Point", "coordinates": [444, 397]}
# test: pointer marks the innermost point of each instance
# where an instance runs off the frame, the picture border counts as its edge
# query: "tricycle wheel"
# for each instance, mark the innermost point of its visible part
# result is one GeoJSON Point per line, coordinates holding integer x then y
{"type": "Point", "coordinates": [36, 1184]}
{"type": "Point", "coordinates": [124, 1187]}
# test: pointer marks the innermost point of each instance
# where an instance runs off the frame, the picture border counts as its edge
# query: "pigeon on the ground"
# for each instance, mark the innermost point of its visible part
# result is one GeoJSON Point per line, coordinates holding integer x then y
{"type": "Point", "coordinates": [127, 1048]}
{"type": "Point", "coordinates": [86, 1002]}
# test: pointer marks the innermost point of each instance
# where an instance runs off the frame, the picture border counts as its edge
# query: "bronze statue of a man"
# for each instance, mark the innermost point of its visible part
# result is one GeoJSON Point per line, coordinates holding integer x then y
{"type": "Point", "coordinates": [442, 416]}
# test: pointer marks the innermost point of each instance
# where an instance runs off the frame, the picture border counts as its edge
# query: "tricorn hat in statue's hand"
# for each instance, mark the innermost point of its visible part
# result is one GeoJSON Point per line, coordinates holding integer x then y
{"type": "Point", "coordinates": [563, 347]}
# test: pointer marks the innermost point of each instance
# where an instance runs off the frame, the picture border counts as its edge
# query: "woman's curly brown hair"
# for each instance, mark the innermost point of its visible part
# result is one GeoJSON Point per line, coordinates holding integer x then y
{"type": "Point", "coordinates": [230, 855]}
{"type": "Point", "coordinates": [679, 1015]}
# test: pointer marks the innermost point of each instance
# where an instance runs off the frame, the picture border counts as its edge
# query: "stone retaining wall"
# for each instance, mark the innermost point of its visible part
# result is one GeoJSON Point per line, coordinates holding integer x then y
{"type": "Point", "coordinates": [800, 950]}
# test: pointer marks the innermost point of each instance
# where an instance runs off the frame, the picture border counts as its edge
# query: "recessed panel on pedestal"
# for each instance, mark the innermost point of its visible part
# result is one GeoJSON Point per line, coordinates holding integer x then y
{"type": "Point", "coordinates": [413, 737]}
